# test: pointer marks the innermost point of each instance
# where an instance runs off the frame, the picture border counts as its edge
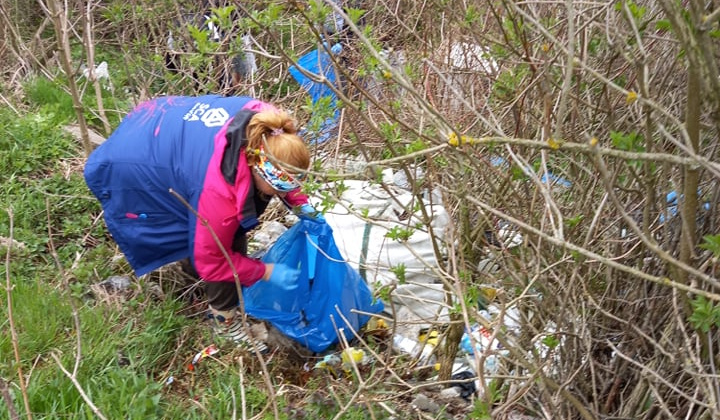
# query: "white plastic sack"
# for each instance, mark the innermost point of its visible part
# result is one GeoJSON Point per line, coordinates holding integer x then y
{"type": "Point", "coordinates": [364, 243]}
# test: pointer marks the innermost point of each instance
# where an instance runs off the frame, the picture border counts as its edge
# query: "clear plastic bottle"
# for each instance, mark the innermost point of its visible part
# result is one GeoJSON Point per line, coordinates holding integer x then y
{"type": "Point", "coordinates": [423, 351]}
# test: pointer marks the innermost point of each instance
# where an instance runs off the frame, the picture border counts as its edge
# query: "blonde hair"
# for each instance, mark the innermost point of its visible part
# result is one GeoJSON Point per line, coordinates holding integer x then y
{"type": "Point", "coordinates": [277, 133]}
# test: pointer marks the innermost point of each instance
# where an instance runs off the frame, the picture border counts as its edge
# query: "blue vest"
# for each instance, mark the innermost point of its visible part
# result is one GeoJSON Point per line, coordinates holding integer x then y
{"type": "Point", "coordinates": [162, 144]}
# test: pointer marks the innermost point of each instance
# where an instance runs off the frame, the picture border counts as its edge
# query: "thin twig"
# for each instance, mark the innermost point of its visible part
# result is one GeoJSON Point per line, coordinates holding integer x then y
{"type": "Point", "coordinates": [79, 388]}
{"type": "Point", "coordinates": [593, 255]}
{"type": "Point", "coordinates": [63, 276]}
{"type": "Point", "coordinates": [5, 392]}
{"type": "Point", "coordinates": [59, 16]}
{"type": "Point", "coordinates": [658, 376]}
{"type": "Point", "coordinates": [243, 400]}
{"type": "Point", "coordinates": [90, 50]}
{"type": "Point", "coordinates": [648, 241]}
{"type": "Point", "coordinates": [11, 319]}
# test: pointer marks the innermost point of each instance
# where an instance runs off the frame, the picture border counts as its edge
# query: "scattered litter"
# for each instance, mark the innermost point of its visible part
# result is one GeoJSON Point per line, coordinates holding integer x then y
{"type": "Point", "coordinates": [467, 56]}
{"type": "Point", "coordinates": [344, 360]}
{"type": "Point", "coordinates": [478, 339]}
{"type": "Point", "coordinates": [9, 242]}
{"type": "Point", "coordinates": [328, 360]}
{"type": "Point", "coordinates": [401, 180]}
{"type": "Point", "coordinates": [334, 22]}
{"type": "Point", "coordinates": [245, 64]}
{"type": "Point", "coordinates": [114, 290]}
{"type": "Point", "coordinates": [376, 326]}
{"type": "Point", "coordinates": [352, 355]}
{"type": "Point", "coordinates": [464, 385]}
{"type": "Point", "coordinates": [672, 200]}
{"type": "Point", "coordinates": [422, 351]}
{"type": "Point", "coordinates": [481, 337]}
{"type": "Point", "coordinates": [330, 363]}
{"type": "Point", "coordinates": [115, 283]}
{"type": "Point", "coordinates": [170, 380]}
{"type": "Point", "coordinates": [452, 392]}
{"type": "Point", "coordinates": [206, 352]}
{"type": "Point", "coordinates": [488, 266]}
{"type": "Point", "coordinates": [267, 234]}
{"type": "Point", "coordinates": [509, 236]}
{"type": "Point", "coordinates": [100, 72]}
{"type": "Point", "coordinates": [429, 336]}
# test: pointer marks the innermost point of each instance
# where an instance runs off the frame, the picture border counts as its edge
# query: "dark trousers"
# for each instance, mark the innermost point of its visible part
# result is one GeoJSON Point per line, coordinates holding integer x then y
{"type": "Point", "coordinates": [221, 295]}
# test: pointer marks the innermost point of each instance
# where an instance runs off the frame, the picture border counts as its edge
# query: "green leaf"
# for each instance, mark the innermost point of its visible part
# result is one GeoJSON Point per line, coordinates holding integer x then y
{"type": "Point", "coordinates": [663, 25]}
{"type": "Point", "coordinates": [577, 256]}
{"type": "Point", "coordinates": [517, 173]}
{"type": "Point", "coordinates": [355, 14]}
{"type": "Point", "coordinates": [631, 142]}
{"type": "Point", "coordinates": [416, 146]}
{"type": "Point", "coordinates": [705, 314]}
{"type": "Point", "coordinates": [571, 222]}
{"type": "Point", "coordinates": [399, 271]}
{"type": "Point", "coordinates": [550, 341]}
{"type": "Point", "coordinates": [399, 234]}
{"type": "Point", "coordinates": [712, 243]}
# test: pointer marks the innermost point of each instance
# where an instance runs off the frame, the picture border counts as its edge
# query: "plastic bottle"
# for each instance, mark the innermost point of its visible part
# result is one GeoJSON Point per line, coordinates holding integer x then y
{"type": "Point", "coordinates": [413, 348]}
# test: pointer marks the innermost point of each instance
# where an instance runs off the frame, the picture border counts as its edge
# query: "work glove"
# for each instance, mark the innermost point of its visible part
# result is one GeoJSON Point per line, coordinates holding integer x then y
{"type": "Point", "coordinates": [308, 212]}
{"type": "Point", "coordinates": [284, 277]}
{"type": "Point", "coordinates": [335, 48]}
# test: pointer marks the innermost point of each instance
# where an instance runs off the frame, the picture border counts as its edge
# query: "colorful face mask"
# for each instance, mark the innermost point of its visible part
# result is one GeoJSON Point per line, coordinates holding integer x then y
{"type": "Point", "coordinates": [277, 178]}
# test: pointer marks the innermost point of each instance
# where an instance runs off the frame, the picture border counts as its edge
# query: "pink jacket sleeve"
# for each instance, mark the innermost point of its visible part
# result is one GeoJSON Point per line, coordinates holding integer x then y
{"type": "Point", "coordinates": [220, 213]}
{"type": "Point", "coordinates": [296, 198]}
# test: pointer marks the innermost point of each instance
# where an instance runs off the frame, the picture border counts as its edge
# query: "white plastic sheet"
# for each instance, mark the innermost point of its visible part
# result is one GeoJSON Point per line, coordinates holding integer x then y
{"type": "Point", "coordinates": [364, 242]}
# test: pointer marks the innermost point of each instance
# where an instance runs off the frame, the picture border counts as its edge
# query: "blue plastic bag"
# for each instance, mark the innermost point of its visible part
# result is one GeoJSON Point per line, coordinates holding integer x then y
{"type": "Point", "coordinates": [328, 286]}
{"type": "Point", "coordinates": [318, 62]}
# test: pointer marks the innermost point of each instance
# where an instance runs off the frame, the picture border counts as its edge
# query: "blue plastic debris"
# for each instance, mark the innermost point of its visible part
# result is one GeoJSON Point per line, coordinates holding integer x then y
{"type": "Point", "coordinates": [548, 177]}
{"type": "Point", "coordinates": [671, 202]}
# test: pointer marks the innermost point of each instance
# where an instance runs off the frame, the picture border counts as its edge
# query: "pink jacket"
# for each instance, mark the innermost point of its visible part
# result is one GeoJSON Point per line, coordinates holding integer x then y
{"type": "Point", "coordinates": [221, 205]}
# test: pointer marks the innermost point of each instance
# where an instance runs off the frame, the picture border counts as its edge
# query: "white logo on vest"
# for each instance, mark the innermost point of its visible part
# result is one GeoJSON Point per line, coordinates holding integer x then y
{"type": "Point", "coordinates": [211, 117]}
{"type": "Point", "coordinates": [214, 117]}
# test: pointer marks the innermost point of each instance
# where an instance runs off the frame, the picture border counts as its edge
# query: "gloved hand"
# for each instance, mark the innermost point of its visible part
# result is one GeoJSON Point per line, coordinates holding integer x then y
{"type": "Point", "coordinates": [284, 277]}
{"type": "Point", "coordinates": [335, 48]}
{"type": "Point", "coordinates": [308, 212]}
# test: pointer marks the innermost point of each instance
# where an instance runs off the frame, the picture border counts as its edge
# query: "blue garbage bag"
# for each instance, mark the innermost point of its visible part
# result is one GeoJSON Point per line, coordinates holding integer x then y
{"type": "Point", "coordinates": [328, 287]}
{"type": "Point", "coordinates": [318, 62]}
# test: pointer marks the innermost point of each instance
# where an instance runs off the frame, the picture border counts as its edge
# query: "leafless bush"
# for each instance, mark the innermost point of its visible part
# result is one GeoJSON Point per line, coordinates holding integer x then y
{"type": "Point", "coordinates": [596, 94]}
